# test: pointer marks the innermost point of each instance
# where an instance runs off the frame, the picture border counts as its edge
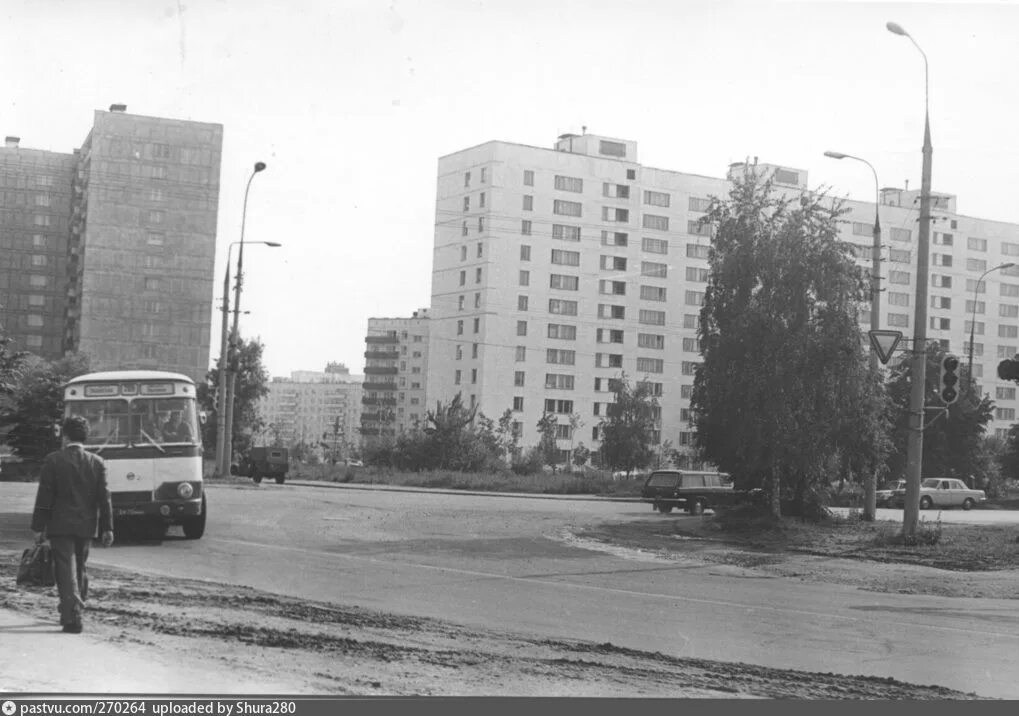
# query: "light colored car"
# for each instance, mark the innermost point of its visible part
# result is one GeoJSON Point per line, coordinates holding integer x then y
{"type": "Point", "coordinates": [943, 492]}
{"type": "Point", "coordinates": [884, 495]}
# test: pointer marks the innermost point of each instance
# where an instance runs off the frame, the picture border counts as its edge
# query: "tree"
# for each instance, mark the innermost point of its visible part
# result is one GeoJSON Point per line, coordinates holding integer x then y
{"type": "Point", "coordinates": [548, 448]}
{"type": "Point", "coordinates": [785, 396]}
{"type": "Point", "coordinates": [38, 405]}
{"type": "Point", "coordinates": [953, 441]}
{"type": "Point", "coordinates": [581, 454]}
{"type": "Point", "coordinates": [252, 384]}
{"type": "Point", "coordinates": [628, 432]}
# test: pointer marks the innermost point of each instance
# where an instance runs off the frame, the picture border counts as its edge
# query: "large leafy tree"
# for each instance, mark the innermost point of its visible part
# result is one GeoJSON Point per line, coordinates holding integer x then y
{"type": "Point", "coordinates": [38, 404]}
{"type": "Point", "coordinates": [628, 432]}
{"type": "Point", "coordinates": [785, 398]}
{"type": "Point", "coordinates": [252, 384]}
{"type": "Point", "coordinates": [953, 442]}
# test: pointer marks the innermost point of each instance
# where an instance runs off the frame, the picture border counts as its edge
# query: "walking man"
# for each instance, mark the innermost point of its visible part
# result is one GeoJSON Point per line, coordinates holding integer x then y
{"type": "Point", "coordinates": [72, 503]}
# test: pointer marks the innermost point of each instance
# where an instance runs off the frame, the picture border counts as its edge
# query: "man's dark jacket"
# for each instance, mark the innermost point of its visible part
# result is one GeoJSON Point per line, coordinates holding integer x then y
{"type": "Point", "coordinates": [73, 499]}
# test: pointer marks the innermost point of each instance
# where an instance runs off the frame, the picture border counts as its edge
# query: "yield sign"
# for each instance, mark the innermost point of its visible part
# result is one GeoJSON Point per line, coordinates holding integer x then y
{"type": "Point", "coordinates": [884, 343]}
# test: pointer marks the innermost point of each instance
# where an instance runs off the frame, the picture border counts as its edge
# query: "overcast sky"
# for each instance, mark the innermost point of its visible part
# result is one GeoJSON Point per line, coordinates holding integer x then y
{"type": "Point", "coordinates": [351, 103]}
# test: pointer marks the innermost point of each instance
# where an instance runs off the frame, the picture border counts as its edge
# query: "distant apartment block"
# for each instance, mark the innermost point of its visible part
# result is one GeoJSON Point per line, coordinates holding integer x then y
{"type": "Point", "coordinates": [395, 374]}
{"type": "Point", "coordinates": [557, 271]}
{"type": "Point", "coordinates": [313, 407]}
{"type": "Point", "coordinates": [108, 250]}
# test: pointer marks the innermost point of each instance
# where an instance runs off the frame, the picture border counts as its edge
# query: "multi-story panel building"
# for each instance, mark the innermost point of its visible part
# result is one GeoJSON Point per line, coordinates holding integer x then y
{"type": "Point", "coordinates": [558, 271]}
{"type": "Point", "coordinates": [314, 408]}
{"type": "Point", "coordinates": [120, 242]}
{"type": "Point", "coordinates": [396, 370]}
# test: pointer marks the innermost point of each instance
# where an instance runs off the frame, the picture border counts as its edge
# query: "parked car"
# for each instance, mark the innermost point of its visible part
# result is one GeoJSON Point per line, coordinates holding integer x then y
{"type": "Point", "coordinates": [942, 492]}
{"type": "Point", "coordinates": [884, 495]}
{"type": "Point", "coordinates": [692, 491]}
{"type": "Point", "coordinates": [266, 462]}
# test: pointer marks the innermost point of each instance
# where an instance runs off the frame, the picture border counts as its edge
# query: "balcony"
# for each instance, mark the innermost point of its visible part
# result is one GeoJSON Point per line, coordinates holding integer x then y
{"type": "Point", "coordinates": [378, 401]}
{"type": "Point", "coordinates": [378, 386]}
{"type": "Point", "coordinates": [381, 355]}
{"type": "Point", "coordinates": [375, 340]}
{"type": "Point", "coordinates": [380, 370]}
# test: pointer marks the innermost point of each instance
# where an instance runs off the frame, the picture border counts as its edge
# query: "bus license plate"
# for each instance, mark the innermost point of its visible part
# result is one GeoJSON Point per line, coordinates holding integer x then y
{"type": "Point", "coordinates": [121, 511]}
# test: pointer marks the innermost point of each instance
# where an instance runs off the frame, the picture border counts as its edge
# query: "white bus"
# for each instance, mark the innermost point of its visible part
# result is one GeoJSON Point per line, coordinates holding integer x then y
{"type": "Point", "coordinates": [144, 424]}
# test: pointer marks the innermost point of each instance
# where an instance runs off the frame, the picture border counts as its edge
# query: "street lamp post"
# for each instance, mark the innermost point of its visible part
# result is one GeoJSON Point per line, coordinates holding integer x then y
{"type": "Point", "coordinates": [918, 369]}
{"type": "Point", "coordinates": [870, 485]}
{"type": "Point", "coordinates": [973, 318]}
{"type": "Point", "coordinates": [228, 379]}
{"type": "Point", "coordinates": [223, 465]}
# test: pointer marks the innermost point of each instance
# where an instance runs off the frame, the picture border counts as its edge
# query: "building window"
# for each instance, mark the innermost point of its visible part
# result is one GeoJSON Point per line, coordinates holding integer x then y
{"type": "Point", "coordinates": [561, 407]}
{"type": "Point", "coordinates": [34, 320]}
{"type": "Point", "coordinates": [456, 377]}
{"type": "Point", "coordinates": [898, 320]}
{"type": "Point", "coordinates": [474, 376]}
{"type": "Point", "coordinates": [481, 224]}
{"type": "Point", "coordinates": [652, 293]}
{"type": "Point", "coordinates": [42, 220]}
{"type": "Point", "coordinates": [940, 324]}
{"type": "Point", "coordinates": [656, 223]}
{"type": "Point", "coordinates": [477, 325]}
{"type": "Point", "coordinates": [688, 367]}
{"type": "Point", "coordinates": [565, 233]}
{"type": "Point", "coordinates": [520, 354]}
{"type": "Point", "coordinates": [1004, 414]}
{"type": "Point", "coordinates": [562, 332]}
{"type": "Point", "coordinates": [518, 378]}
{"type": "Point", "coordinates": [651, 340]}
{"type": "Point", "coordinates": [1006, 331]}
{"type": "Point", "coordinates": [699, 228]}
{"type": "Point", "coordinates": [474, 350]}
{"type": "Point", "coordinates": [613, 263]}
{"type": "Point", "coordinates": [698, 251]}
{"type": "Point", "coordinates": [481, 250]}
{"type": "Point", "coordinates": [978, 307]}
{"type": "Point", "coordinates": [613, 288]}
{"type": "Point", "coordinates": [611, 213]}
{"type": "Point", "coordinates": [651, 318]}
{"type": "Point", "coordinates": [609, 335]}
{"type": "Point", "coordinates": [941, 260]}
{"type": "Point", "coordinates": [614, 238]}
{"type": "Point", "coordinates": [38, 260]}
{"type": "Point", "coordinates": [941, 302]}
{"type": "Point", "coordinates": [460, 303]}
{"type": "Point", "coordinates": [525, 252]}
{"type": "Point", "coordinates": [563, 282]}
{"type": "Point", "coordinates": [900, 277]}
{"type": "Point", "coordinates": [615, 191]}
{"type": "Point", "coordinates": [975, 244]}
{"type": "Point", "coordinates": [562, 307]}
{"type": "Point", "coordinates": [656, 198]}
{"type": "Point", "coordinates": [690, 320]}
{"type": "Point", "coordinates": [1008, 310]}
{"type": "Point", "coordinates": [477, 300]}
{"type": "Point", "coordinates": [459, 352]}
{"type": "Point", "coordinates": [612, 149]}
{"type": "Point", "coordinates": [900, 256]}
{"type": "Point", "coordinates": [525, 278]}
{"type": "Point", "coordinates": [694, 298]}
{"type": "Point", "coordinates": [459, 327]}
{"type": "Point", "coordinates": [528, 177]}
{"type": "Point", "coordinates": [942, 281]}
{"type": "Point", "coordinates": [37, 281]}
{"type": "Point", "coordinates": [655, 246]}
{"type": "Point", "coordinates": [574, 184]}
{"type": "Point", "coordinates": [477, 275]}
{"type": "Point", "coordinates": [525, 227]}
{"type": "Point", "coordinates": [521, 303]}
{"type": "Point", "coordinates": [481, 200]}
{"type": "Point", "coordinates": [611, 311]}
{"type": "Point", "coordinates": [654, 270]}
{"type": "Point", "coordinates": [558, 381]}
{"type": "Point", "coordinates": [151, 284]}
{"type": "Point", "coordinates": [565, 258]}
{"type": "Point", "coordinates": [521, 328]}
{"type": "Point", "coordinates": [1001, 393]}
{"type": "Point", "coordinates": [518, 404]}
{"type": "Point", "coordinates": [528, 202]}
{"type": "Point", "coordinates": [691, 345]}
{"type": "Point", "coordinates": [697, 203]}
{"type": "Point", "coordinates": [976, 265]}
{"type": "Point", "coordinates": [467, 203]}
{"type": "Point", "coordinates": [1009, 289]}
{"type": "Point", "coordinates": [560, 356]}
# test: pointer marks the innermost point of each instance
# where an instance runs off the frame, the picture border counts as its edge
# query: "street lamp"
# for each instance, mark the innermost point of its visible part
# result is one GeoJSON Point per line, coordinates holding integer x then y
{"type": "Point", "coordinates": [918, 369]}
{"type": "Point", "coordinates": [973, 318]}
{"type": "Point", "coordinates": [227, 380]}
{"type": "Point", "coordinates": [870, 485]}
{"type": "Point", "coordinates": [221, 402]}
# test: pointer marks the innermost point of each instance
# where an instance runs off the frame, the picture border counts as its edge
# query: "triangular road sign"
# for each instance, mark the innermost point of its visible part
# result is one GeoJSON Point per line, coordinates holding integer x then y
{"type": "Point", "coordinates": [884, 343]}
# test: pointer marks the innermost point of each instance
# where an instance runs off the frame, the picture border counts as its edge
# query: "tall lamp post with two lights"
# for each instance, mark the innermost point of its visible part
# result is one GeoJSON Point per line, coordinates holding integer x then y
{"type": "Point", "coordinates": [918, 367]}
{"type": "Point", "coordinates": [870, 485]}
{"type": "Point", "coordinates": [227, 375]}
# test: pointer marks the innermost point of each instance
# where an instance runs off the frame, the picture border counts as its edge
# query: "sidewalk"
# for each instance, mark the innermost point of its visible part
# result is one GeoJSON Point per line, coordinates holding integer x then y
{"type": "Point", "coordinates": [448, 491]}
{"type": "Point", "coordinates": [38, 658]}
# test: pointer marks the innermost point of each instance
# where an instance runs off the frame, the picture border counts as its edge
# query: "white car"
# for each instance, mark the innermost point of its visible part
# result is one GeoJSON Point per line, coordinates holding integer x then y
{"type": "Point", "coordinates": [884, 495]}
{"type": "Point", "coordinates": [942, 492]}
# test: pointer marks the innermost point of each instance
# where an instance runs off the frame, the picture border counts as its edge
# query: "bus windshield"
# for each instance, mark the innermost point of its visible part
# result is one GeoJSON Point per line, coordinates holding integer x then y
{"type": "Point", "coordinates": [142, 421]}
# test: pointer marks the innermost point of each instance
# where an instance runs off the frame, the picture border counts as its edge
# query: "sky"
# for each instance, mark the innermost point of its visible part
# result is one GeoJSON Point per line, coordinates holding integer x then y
{"type": "Point", "coordinates": [350, 103]}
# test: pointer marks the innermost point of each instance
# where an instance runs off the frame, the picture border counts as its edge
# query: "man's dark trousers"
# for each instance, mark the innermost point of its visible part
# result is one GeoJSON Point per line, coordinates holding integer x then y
{"type": "Point", "coordinates": [70, 554]}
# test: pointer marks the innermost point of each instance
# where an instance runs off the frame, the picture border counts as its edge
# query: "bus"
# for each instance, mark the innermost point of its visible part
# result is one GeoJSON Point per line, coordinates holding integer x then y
{"type": "Point", "coordinates": [145, 425]}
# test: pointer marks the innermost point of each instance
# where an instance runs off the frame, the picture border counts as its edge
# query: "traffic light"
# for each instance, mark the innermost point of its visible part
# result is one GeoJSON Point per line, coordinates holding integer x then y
{"type": "Point", "coordinates": [949, 379]}
{"type": "Point", "coordinates": [1008, 369]}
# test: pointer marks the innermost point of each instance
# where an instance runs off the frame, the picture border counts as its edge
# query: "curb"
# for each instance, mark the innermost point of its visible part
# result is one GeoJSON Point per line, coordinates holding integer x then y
{"type": "Point", "coordinates": [446, 491]}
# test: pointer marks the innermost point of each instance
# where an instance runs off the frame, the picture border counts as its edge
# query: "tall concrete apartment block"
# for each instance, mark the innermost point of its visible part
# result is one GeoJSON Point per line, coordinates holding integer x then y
{"type": "Point", "coordinates": [396, 368]}
{"type": "Point", "coordinates": [313, 404]}
{"type": "Point", "coordinates": [111, 247]}
{"type": "Point", "coordinates": [557, 271]}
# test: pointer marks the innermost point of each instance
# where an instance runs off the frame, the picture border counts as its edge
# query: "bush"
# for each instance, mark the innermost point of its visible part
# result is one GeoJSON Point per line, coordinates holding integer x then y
{"type": "Point", "coordinates": [927, 533]}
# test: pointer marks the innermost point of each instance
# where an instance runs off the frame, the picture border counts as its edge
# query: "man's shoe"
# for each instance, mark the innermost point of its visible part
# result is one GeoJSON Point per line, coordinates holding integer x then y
{"type": "Point", "coordinates": [72, 628]}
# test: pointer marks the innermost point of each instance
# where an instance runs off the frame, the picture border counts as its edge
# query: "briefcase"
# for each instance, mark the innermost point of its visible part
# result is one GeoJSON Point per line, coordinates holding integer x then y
{"type": "Point", "coordinates": [36, 568]}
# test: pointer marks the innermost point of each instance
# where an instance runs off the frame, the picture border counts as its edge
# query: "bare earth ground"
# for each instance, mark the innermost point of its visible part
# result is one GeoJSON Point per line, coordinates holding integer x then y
{"type": "Point", "coordinates": [342, 650]}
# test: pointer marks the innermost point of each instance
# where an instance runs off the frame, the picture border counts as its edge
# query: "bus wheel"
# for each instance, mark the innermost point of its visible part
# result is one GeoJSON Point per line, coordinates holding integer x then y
{"type": "Point", "coordinates": [194, 528]}
{"type": "Point", "coordinates": [280, 479]}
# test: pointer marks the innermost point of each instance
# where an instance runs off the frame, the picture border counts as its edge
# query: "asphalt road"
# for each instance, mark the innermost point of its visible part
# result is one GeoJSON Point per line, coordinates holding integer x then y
{"type": "Point", "coordinates": [503, 563]}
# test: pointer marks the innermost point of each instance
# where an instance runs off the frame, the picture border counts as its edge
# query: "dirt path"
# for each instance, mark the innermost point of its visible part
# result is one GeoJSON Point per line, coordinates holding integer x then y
{"type": "Point", "coordinates": [343, 650]}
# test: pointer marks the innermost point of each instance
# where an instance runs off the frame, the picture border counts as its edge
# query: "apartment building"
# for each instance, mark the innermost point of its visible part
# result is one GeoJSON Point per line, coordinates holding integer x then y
{"type": "Point", "coordinates": [108, 250]}
{"type": "Point", "coordinates": [313, 407]}
{"type": "Point", "coordinates": [557, 271]}
{"type": "Point", "coordinates": [396, 370]}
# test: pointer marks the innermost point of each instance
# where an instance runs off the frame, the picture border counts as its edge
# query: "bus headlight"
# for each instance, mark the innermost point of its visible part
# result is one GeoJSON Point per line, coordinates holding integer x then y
{"type": "Point", "coordinates": [185, 490]}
